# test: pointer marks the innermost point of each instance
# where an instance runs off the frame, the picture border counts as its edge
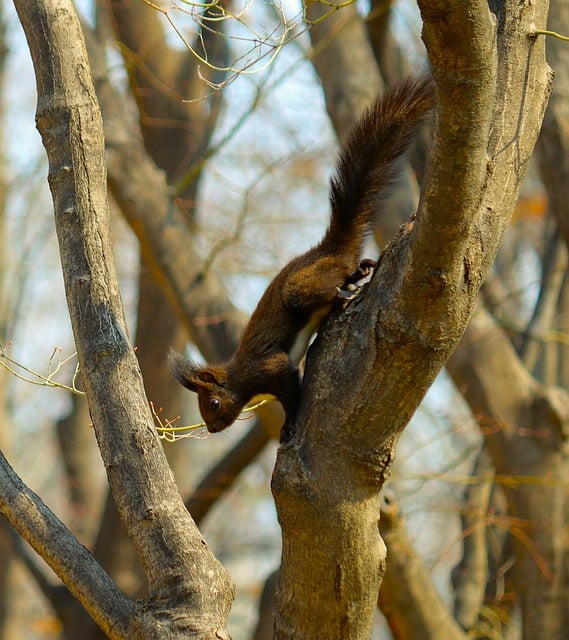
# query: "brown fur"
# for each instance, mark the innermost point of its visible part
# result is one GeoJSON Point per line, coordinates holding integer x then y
{"type": "Point", "coordinates": [305, 289]}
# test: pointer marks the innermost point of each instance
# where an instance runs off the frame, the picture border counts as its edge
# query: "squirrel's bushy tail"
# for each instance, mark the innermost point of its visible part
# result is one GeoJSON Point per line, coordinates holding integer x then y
{"type": "Point", "coordinates": [367, 164]}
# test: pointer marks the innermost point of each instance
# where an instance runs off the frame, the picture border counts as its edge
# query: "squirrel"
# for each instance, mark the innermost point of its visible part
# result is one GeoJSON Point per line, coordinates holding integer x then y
{"type": "Point", "coordinates": [303, 292]}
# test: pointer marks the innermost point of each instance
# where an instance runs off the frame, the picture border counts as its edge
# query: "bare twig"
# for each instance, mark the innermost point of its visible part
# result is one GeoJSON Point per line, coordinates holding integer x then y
{"type": "Point", "coordinates": [40, 379]}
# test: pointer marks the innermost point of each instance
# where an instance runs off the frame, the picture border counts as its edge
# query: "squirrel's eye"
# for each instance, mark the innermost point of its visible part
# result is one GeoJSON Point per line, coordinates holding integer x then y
{"type": "Point", "coordinates": [214, 404]}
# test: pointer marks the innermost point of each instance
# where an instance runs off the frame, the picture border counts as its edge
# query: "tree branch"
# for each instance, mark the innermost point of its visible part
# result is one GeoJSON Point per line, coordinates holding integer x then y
{"type": "Point", "coordinates": [76, 567]}
{"type": "Point", "coordinates": [176, 131]}
{"type": "Point", "coordinates": [461, 44]}
{"type": "Point", "coordinates": [393, 342]}
{"type": "Point", "coordinates": [470, 575]}
{"type": "Point", "coordinates": [187, 586]}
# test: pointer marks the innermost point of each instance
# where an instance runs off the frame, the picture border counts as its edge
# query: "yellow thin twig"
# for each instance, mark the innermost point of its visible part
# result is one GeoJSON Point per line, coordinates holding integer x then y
{"type": "Point", "coordinates": [553, 34]}
{"type": "Point", "coordinates": [334, 6]}
{"type": "Point", "coordinates": [171, 433]}
{"type": "Point", "coordinates": [264, 47]}
{"type": "Point", "coordinates": [39, 379]}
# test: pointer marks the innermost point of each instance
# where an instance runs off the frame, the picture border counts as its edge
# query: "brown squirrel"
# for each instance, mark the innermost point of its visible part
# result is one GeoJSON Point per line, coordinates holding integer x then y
{"type": "Point", "coordinates": [303, 292]}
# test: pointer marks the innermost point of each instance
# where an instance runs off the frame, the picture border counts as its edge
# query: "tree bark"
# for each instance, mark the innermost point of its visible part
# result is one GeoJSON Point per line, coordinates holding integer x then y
{"type": "Point", "coordinates": [492, 89]}
{"type": "Point", "coordinates": [189, 592]}
{"type": "Point", "coordinates": [69, 560]}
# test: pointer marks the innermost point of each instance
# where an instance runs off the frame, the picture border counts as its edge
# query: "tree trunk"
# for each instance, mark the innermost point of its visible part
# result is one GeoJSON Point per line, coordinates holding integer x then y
{"type": "Point", "coordinates": [393, 343]}
{"type": "Point", "coordinates": [189, 592]}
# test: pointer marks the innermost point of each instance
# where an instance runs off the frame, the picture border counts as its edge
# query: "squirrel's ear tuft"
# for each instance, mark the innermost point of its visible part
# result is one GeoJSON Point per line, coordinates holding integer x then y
{"type": "Point", "coordinates": [194, 376]}
{"type": "Point", "coordinates": [186, 372]}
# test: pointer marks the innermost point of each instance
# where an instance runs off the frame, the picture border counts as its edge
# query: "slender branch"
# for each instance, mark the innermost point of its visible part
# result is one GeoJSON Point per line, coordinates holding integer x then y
{"type": "Point", "coordinates": [76, 567]}
{"type": "Point", "coordinates": [469, 576]}
{"type": "Point", "coordinates": [41, 379]}
{"type": "Point", "coordinates": [553, 34]}
{"type": "Point", "coordinates": [554, 267]}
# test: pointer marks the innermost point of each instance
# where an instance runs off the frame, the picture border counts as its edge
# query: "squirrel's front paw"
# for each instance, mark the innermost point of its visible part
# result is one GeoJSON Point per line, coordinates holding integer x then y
{"type": "Point", "coordinates": [363, 272]}
{"type": "Point", "coordinates": [357, 281]}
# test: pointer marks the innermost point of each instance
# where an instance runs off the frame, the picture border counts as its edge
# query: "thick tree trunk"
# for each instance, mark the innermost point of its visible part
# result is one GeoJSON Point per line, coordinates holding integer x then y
{"type": "Point", "coordinates": [393, 343]}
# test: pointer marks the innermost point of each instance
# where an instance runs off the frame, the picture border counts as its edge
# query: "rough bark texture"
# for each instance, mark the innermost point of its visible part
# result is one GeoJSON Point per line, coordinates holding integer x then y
{"type": "Point", "coordinates": [493, 85]}
{"type": "Point", "coordinates": [189, 592]}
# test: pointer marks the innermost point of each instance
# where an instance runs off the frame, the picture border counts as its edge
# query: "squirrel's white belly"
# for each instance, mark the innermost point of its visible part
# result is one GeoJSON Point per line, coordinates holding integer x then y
{"type": "Point", "coordinates": [304, 336]}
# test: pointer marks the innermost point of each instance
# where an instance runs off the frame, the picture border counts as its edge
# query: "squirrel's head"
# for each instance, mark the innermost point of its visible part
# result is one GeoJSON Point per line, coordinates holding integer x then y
{"type": "Point", "coordinates": [219, 406]}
